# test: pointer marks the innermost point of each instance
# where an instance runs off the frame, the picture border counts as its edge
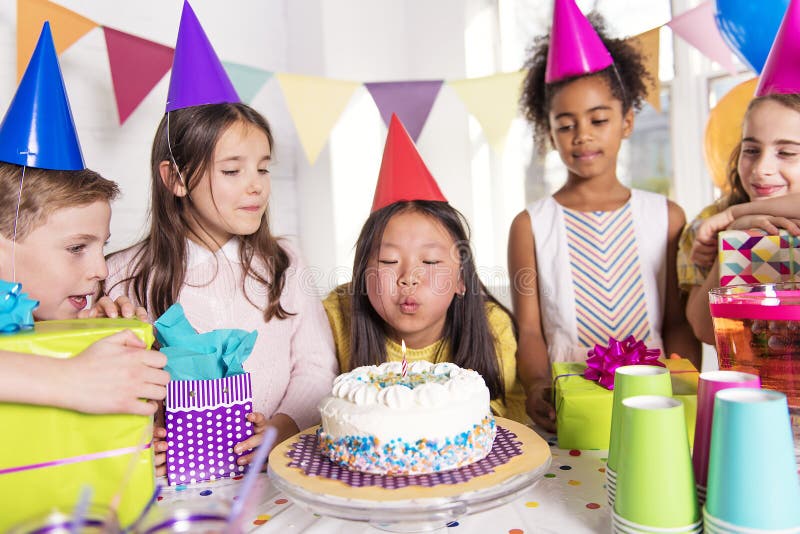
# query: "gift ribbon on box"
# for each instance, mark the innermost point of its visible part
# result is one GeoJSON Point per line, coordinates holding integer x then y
{"type": "Point", "coordinates": [78, 459]}
{"type": "Point", "coordinates": [604, 361]}
{"type": "Point", "coordinates": [16, 309]}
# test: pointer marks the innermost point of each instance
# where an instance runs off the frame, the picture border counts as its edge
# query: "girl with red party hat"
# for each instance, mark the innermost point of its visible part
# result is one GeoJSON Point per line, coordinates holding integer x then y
{"type": "Point", "coordinates": [596, 259]}
{"type": "Point", "coordinates": [763, 178]}
{"type": "Point", "coordinates": [414, 280]}
{"type": "Point", "coordinates": [210, 248]}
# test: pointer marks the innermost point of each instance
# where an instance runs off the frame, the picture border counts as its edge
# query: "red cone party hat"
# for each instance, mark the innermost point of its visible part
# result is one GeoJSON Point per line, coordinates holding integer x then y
{"type": "Point", "coordinates": [403, 175]}
{"type": "Point", "coordinates": [781, 72]}
{"type": "Point", "coordinates": [575, 48]}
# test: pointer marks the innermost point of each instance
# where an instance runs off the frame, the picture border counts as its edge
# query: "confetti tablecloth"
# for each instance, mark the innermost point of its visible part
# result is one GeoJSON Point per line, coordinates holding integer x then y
{"type": "Point", "coordinates": [569, 498]}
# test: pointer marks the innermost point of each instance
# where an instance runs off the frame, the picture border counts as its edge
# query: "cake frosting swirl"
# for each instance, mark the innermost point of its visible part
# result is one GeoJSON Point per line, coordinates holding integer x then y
{"type": "Point", "coordinates": [435, 418]}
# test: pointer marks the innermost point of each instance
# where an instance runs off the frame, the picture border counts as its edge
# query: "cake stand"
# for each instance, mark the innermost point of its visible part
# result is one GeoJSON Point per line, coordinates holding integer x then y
{"type": "Point", "coordinates": [413, 508]}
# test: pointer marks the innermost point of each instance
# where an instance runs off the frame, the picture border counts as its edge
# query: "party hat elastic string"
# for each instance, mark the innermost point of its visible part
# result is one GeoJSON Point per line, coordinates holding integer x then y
{"type": "Point", "coordinates": [16, 220]}
{"type": "Point", "coordinates": [174, 161]}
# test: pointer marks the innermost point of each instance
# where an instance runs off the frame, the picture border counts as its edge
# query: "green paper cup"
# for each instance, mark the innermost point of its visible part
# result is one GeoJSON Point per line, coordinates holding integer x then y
{"type": "Point", "coordinates": [655, 479]}
{"type": "Point", "coordinates": [629, 381]}
{"type": "Point", "coordinates": [623, 526]}
{"type": "Point", "coordinates": [752, 477]}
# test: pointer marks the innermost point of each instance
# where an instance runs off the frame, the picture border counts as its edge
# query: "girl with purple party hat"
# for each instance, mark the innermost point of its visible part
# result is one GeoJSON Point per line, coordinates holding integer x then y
{"type": "Point", "coordinates": [596, 259]}
{"type": "Point", "coordinates": [210, 248]}
{"type": "Point", "coordinates": [764, 169]}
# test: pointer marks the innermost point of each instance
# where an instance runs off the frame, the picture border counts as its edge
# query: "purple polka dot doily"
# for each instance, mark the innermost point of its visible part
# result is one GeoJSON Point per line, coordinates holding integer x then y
{"type": "Point", "coordinates": [306, 456]}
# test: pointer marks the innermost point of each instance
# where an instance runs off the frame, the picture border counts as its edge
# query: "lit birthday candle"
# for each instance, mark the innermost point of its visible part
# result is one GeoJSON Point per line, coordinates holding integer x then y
{"type": "Point", "coordinates": [404, 366]}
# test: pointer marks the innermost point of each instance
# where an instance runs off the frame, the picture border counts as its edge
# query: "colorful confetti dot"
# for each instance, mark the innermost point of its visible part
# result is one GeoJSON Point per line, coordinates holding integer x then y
{"type": "Point", "coordinates": [206, 493]}
{"type": "Point", "coordinates": [603, 459]}
{"type": "Point", "coordinates": [281, 501]}
{"type": "Point", "coordinates": [160, 498]}
{"type": "Point", "coordinates": [565, 467]}
{"type": "Point", "coordinates": [452, 524]}
{"type": "Point", "coordinates": [602, 469]}
{"type": "Point", "coordinates": [263, 518]}
{"type": "Point", "coordinates": [532, 504]}
{"type": "Point", "coordinates": [574, 482]}
{"type": "Point", "coordinates": [239, 477]}
{"type": "Point", "coordinates": [180, 487]}
{"type": "Point", "coordinates": [550, 475]}
{"type": "Point", "coordinates": [516, 531]}
{"type": "Point", "coordinates": [592, 506]}
{"type": "Point", "coordinates": [574, 452]}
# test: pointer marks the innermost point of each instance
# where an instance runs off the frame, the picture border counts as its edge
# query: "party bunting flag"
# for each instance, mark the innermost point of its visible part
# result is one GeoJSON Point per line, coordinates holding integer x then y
{"type": "Point", "coordinates": [137, 65]}
{"type": "Point", "coordinates": [67, 27]}
{"type": "Point", "coordinates": [315, 105]}
{"type": "Point", "coordinates": [698, 28]}
{"type": "Point", "coordinates": [247, 80]}
{"type": "Point", "coordinates": [411, 101]}
{"type": "Point", "coordinates": [494, 101]}
{"type": "Point", "coordinates": [648, 43]}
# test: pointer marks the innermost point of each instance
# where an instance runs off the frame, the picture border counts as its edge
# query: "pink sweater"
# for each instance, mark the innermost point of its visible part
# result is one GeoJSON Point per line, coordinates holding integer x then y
{"type": "Point", "coordinates": [293, 363]}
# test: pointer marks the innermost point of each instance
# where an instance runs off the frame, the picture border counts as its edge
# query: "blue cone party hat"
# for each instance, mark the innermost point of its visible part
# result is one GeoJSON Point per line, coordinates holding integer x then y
{"type": "Point", "coordinates": [38, 129]}
{"type": "Point", "coordinates": [198, 76]}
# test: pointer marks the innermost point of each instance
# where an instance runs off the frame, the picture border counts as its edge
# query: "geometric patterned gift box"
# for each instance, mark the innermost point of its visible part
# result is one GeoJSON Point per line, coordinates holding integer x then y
{"type": "Point", "coordinates": [753, 257]}
{"type": "Point", "coordinates": [205, 419]}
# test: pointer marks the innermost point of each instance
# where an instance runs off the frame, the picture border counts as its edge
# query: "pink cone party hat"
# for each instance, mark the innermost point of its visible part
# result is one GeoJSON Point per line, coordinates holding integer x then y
{"type": "Point", "coordinates": [403, 174]}
{"type": "Point", "coordinates": [781, 72]}
{"type": "Point", "coordinates": [575, 48]}
{"type": "Point", "coordinates": [38, 129]}
{"type": "Point", "coordinates": [198, 76]}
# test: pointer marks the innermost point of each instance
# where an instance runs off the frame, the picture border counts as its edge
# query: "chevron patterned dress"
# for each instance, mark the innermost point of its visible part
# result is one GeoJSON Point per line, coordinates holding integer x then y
{"type": "Point", "coordinates": [610, 298]}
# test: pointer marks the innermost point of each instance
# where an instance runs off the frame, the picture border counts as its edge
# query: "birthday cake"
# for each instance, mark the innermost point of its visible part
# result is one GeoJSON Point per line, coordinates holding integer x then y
{"type": "Point", "coordinates": [431, 419]}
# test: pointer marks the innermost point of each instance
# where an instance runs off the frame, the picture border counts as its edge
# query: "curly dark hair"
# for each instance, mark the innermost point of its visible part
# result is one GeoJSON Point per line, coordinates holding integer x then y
{"type": "Point", "coordinates": [627, 77]}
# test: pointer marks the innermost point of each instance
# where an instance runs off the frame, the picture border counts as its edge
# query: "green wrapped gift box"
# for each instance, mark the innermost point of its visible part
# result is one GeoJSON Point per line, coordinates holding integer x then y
{"type": "Point", "coordinates": [47, 455]}
{"type": "Point", "coordinates": [583, 408]}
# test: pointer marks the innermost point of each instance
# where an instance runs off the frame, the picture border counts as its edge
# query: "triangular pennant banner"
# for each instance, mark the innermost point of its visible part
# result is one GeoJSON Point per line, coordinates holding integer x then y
{"type": "Point", "coordinates": [136, 67]}
{"type": "Point", "coordinates": [247, 80]}
{"type": "Point", "coordinates": [648, 43]}
{"type": "Point", "coordinates": [411, 101]}
{"type": "Point", "coordinates": [494, 101]}
{"type": "Point", "coordinates": [67, 27]}
{"type": "Point", "coordinates": [698, 28]}
{"type": "Point", "coordinates": [315, 105]}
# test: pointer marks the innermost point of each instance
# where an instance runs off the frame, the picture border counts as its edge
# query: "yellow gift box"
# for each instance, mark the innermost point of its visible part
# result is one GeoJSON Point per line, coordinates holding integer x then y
{"type": "Point", "coordinates": [47, 455]}
{"type": "Point", "coordinates": [583, 407]}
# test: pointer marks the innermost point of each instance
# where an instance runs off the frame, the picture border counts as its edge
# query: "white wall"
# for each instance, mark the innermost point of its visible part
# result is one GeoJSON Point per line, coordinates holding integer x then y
{"type": "Point", "coordinates": [323, 205]}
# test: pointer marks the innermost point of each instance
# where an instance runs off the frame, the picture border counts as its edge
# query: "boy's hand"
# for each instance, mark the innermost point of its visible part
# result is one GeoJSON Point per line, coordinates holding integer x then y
{"type": "Point", "coordinates": [122, 307]}
{"type": "Point", "coordinates": [113, 375]}
{"type": "Point", "coordinates": [539, 407]}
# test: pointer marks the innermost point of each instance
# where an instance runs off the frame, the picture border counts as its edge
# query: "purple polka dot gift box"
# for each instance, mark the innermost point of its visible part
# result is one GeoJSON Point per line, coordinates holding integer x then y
{"type": "Point", "coordinates": [204, 420]}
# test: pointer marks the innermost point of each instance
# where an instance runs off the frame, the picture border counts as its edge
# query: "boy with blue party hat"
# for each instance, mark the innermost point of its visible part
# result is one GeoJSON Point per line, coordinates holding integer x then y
{"type": "Point", "coordinates": [53, 227]}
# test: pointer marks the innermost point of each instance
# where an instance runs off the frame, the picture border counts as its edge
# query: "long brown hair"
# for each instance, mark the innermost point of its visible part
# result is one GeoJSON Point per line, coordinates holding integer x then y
{"type": "Point", "coordinates": [737, 194]}
{"type": "Point", "coordinates": [159, 266]}
{"type": "Point", "coordinates": [466, 328]}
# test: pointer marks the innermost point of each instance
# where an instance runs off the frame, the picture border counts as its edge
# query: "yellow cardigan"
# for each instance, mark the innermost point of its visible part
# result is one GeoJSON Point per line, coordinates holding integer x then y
{"type": "Point", "coordinates": [337, 306]}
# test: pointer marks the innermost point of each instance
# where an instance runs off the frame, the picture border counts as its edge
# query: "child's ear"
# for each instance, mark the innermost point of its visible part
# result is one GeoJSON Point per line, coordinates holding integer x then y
{"type": "Point", "coordinates": [627, 123]}
{"type": "Point", "coordinates": [171, 179]}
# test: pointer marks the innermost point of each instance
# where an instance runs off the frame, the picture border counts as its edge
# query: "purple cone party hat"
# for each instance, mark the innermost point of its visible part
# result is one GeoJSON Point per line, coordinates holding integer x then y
{"type": "Point", "coordinates": [38, 129]}
{"type": "Point", "coordinates": [198, 76]}
{"type": "Point", "coordinates": [781, 72]}
{"type": "Point", "coordinates": [575, 48]}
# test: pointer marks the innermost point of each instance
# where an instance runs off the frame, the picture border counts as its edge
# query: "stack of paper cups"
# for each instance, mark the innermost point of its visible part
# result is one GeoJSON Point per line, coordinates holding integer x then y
{"type": "Point", "coordinates": [753, 485]}
{"type": "Point", "coordinates": [655, 479]}
{"type": "Point", "coordinates": [707, 387]}
{"type": "Point", "coordinates": [629, 381]}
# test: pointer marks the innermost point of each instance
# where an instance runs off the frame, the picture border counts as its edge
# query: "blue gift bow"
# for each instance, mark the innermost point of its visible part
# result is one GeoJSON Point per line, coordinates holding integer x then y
{"type": "Point", "coordinates": [16, 308]}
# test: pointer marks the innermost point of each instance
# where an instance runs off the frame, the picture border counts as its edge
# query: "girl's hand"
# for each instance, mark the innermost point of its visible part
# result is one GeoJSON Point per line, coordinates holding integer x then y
{"type": "Point", "coordinates": [703, 254]}
{"type": "Point", "coordinates": [709, 228]}
{"type": "Point", "coordinates": [539, 407]}
{"type": "Point", "coordinates": [122, 307]}
{"type": "Point", "coordinates": [160, 449]}
{"type": "Point", "coordinates": [284, 424]}
{"type": "Point", "coordinates": [768, 223]}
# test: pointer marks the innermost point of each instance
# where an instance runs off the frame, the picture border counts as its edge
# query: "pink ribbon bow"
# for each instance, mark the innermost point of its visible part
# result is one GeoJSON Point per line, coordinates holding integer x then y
{"type": "Point", "coordinates": [603, 361]}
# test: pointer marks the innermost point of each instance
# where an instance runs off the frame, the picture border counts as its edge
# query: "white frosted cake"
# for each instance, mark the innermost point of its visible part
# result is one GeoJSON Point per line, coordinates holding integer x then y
{"type": "Point", "coordinates": [435, 418]}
